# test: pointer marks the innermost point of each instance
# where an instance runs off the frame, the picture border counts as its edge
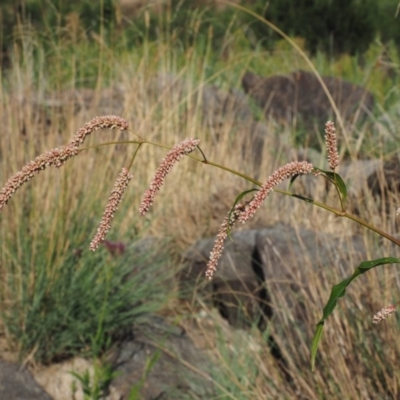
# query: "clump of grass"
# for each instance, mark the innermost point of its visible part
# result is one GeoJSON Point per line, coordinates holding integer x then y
{"type": "Point", "coordinates": [55, 311]}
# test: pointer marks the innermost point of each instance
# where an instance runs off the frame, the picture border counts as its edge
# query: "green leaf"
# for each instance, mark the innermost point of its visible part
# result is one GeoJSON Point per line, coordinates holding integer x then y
{"type": "Point", "coordinates": [339, 291]}
{"type": "Point", "coordinates": [315, 342]}
{"type": "Point", "coordinates": [337, 180]}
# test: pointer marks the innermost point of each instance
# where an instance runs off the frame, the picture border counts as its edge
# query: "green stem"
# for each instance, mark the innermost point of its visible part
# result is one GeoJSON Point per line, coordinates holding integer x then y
{"type": "Point", "coordinates": [344, 214]}
{"type": "Point", "coordinates": [339, 213]}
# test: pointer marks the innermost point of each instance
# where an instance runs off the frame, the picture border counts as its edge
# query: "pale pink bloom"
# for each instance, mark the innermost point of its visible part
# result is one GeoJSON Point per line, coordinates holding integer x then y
{"type": "Point", "coordinates": [58, 156]}
{"type": "Point", "coordinates": [99, 122]}
{"type": "Point", "coordinates": [285, 172]}
{"type": "Point", "coordinates": [384, 313]}
{"type": "Point", "coordinates": [55, 157]}
{"type": "Point", "coordinates": [115, 198]}
{"type": "Point", "coordinates": [220, 239]}
{"type": "Point", "coordinates": [173, 156]}
{"type": "Point", "coordinates": [331, 145]}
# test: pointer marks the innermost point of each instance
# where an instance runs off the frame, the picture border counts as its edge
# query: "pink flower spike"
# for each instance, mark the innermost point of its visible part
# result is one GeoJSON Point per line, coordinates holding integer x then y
{"type": "Point", "coordinates": [285, 172]}
{"type": "Point", "coordinates": [99, 122]}
{"type": "Point", "coordinates": [115, 198]}
{"type": "Point", "coordinates": [55, 157]}
{"type": "Point", "coordinates": [219, 244]}
{"type": "Point", "coordinates": [173, 156]}
{"type": "Point", "coordinates": [331, 145]}
{"type": "Point", "coordinates": [384, 313]}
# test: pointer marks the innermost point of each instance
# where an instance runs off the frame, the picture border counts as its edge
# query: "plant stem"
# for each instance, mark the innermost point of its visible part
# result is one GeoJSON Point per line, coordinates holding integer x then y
{"type": "Point", "coordinates": [339, 213]}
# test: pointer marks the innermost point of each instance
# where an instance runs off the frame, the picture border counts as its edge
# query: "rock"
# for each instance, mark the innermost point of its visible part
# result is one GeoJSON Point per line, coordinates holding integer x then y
{"type": "Point", "coordinates": [283, 97]}
{"type": "Point", "coordinates": [384, 183]}
{"type": "Point", "coordinates": [385, 177]}
{"type": "Point", "coordinates": [260, 266]}
{"type": "Point", "coordinates": [356, 174]}
{"type": "Point", "coordinates": [58, 380]}
{"type": "Point", "coordinates": [159, 360]}
{"type": "Point", "coordinates": [107, 101]}
{"type": "Point", "coordinates": [158, 363]}
{"type": "Point", "coordinates": [281, 251]}
{"type": "Point", "coordinates": [234, 284]}
{"type": "Point", "coordinates": [217, 105]}
{"type": "Point", "coordinates": [149, 251]}
{"type": "Point", "coordinates": [17, 383]}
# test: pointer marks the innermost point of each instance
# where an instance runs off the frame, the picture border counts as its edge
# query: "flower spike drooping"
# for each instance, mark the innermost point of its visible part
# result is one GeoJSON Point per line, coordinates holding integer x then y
{"type": "Point", "coordinates": [173, 156]}
{"type": "Point", "coordinates": [219, 244]}
{"type": "Point", "coordinates": [384, 313]}
{"type": "Point", "coordinates": [58, 156]}
{"type": "Point", "coordinates": [115, 198]}
{"type": "Point", "coordinates": [99, 122]}
{"type": "Point", "coordinates": [285, 172]}
{"type": "Point", "coordinates": [55, 157]}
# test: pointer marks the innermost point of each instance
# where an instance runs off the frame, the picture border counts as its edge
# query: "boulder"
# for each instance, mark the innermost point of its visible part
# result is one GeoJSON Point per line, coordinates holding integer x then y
{"type": "Point", "coordinates": [235, 289]}
{"type": "Point", "coordinates": [58, 379]}
{"type": "Point", "coordinates": [384, 183]}
{"type": "Point", "coordinates": [216, 105]}
{"type": "Point", "coordinates": [161, 363]}
{"type": "Point", "coordinates": [261, 267]}
{"type": "Point", "coordinates": [157, 361]}
{"type": "Point", "coordinates": [282, 252]}
{"type": "Point", "coordinates": [284, 96]}
{"type": "Point", "coordinates": [386, 177]}
{"type": "Point", "coordinates": [17, 383]}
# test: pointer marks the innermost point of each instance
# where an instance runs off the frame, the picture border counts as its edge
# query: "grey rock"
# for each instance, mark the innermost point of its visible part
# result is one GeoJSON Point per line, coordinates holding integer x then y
{"type": "Point", "coordinates": [17, 383]}
{"type": "Point", "coordinates": [172, 375]}
{"type": "Point", "coordinates": [283, 97]}
{"type": "Point", "coordinates": [258, 267]}
{"type": "Point", "coordinates": [234, 288]}
{"type": "Point", "coordinates": [282, 251]}
{"type": "Point", "coordinates": [217, 105]}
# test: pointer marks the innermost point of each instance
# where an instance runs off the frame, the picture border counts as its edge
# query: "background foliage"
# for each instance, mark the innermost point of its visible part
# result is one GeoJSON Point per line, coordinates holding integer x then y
{"type": "Point", "coordinates": [330, 26]}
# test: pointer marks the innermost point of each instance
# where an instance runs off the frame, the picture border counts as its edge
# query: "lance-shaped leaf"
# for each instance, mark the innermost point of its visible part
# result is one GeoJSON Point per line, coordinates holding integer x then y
{"type": "Point", "coordinates": [338, 291]}
{"type": "Point", "coordinates": [337, 179]}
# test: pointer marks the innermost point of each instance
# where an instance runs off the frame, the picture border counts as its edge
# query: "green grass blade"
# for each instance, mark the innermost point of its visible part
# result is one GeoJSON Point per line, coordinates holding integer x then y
{"type": "Point", "coordinates": [339, 291]}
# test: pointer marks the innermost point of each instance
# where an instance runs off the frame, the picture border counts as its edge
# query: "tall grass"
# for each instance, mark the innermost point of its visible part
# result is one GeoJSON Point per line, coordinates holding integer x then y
{"type": "Point", "coordinates": [56, 296]}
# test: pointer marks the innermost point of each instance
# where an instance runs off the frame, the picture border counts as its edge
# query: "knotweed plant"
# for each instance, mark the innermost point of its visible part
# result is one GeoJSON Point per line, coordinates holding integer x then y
{"type": "Point", "coordinates": [241, 211]}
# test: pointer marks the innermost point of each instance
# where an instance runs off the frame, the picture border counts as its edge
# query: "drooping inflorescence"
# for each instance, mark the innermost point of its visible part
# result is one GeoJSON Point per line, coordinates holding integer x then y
{"type": "Point", "coordinates": [56, 157]}
{"type": "Point", "coordinates": [287, 171]}
{"type": "Point", "coordinates": [99, 122]}
{"type": "Point", "coordinates": [219, 243]}
{"type": "Point", "coordinates": [242, 212]}
{"type": "Point", "coordinates": [384, 313]}
{"type": "Point", "coordinates": [173, 156]}
{"type": "Point", "coordinates": [59, 155]}
{"type": "Point", "coordinates": [112, 205]}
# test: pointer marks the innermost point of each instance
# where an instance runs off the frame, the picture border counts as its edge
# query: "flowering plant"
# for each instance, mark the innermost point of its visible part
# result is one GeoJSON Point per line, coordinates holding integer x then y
{"type": "Point", "coordinates": [241, 211]}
